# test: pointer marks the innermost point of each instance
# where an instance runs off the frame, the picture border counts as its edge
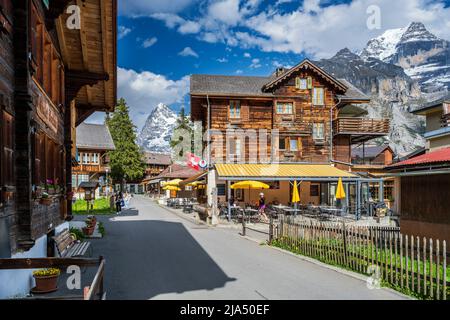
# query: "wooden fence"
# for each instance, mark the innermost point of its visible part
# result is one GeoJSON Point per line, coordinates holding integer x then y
{"type": "Point", "coordinates": [409, 263]}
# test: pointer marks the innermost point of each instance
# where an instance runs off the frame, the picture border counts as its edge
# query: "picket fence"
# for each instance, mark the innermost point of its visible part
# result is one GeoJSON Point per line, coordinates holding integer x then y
{"type": "Point", "coordinates": [409, 263]}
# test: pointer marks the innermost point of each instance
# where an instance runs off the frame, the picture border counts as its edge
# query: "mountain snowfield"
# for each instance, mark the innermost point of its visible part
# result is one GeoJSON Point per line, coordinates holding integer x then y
{"type": "Point", "coordinates": [423, 56]}
{"type": "Point", "coordinates": [400, 70]}
{"type": "Point", "coordinates": [157, 132]}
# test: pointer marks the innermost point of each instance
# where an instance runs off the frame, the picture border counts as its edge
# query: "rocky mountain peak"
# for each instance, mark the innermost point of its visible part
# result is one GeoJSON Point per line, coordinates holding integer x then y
{"type": "Point", "coordinates": [157, 132]}
{"type": "Point", "coordinates": [416, 31]}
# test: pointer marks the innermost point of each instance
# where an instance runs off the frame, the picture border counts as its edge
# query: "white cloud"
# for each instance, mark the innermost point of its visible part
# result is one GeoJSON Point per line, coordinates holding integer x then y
{"type": "Point", "coordinates": [316, 27]}
{"type": "Point", "coordinates": [256, 63]}
{"type": "Point", "coordinates": [222, 60]}
{"type": "Point", "coordinates": [239, 71]}
{"type": "Point", "coordinates": [188, 52]}
{"type": "Point", "coordinates": [247, 55]}
{"type": "Point", "coordinates": [144, 90]}
{"type": "Point", "coordinates": [123, 32]}
{"type": "Point", "coordinates": [149, 42]}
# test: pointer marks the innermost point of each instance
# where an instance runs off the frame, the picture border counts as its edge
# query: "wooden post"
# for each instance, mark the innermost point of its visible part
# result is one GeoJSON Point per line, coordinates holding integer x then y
{"type": "Point", "coordinates": [407, 261]}
{"type": "Point", "coordinates": [401, 261]}
{"type": "Point", "coordinates": [444, 267]}
{"type": "Point", "coordinates": [431, 268]}
{"type": "Point", "coordinates": [424, 266]}
{"type": "Point", "coordinates": [438, 271]}
{"type": "Point", "coordinates": [418, 264]}
{"type": "Point", "coordinates": [243, 223]}
{"type": "Point", "coordinates": [270, 230]}
{"type": "Point", "coordinates": [386, 261]}
{"type": "Point", "coordinates": [396, 257]}
{"type": "Point", "coordinates": [390, 257]}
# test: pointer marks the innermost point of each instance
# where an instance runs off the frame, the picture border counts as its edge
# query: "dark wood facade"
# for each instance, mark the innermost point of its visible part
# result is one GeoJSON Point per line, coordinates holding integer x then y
{"type": "Point", "coordinates": [303, 122]}
{"type": "Point", "coordinates": [41, 100]}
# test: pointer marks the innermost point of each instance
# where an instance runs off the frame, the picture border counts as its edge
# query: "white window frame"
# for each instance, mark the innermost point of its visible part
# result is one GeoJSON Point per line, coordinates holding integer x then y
{"type": "Point", "coordinates": [235, 109]}
{"type": "Point", "coordinates": [316, 126]}
{"type": "Point", "coordinates": [284, 110]}
{"type": "Point", "coordinates": [315, 96]}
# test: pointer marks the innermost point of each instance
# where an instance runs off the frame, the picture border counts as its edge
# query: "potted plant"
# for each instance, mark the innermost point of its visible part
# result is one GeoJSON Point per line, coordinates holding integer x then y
{"type": "Point", "coordinates": [46, 280]}
{"type": "Point", "coordinates": [90, 226]}
{"type": "Point", "coordinates": [45, 199]}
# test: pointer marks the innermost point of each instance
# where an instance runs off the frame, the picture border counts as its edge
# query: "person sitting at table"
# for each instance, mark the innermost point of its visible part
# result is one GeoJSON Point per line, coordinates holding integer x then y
{"type": "Point", "coordinates": [262, 207]}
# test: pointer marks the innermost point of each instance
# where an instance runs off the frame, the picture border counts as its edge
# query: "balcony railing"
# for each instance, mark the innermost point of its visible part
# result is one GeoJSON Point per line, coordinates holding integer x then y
{"type": "Point", "coordinates": [91, 168]}
{"type": "Point", "coordinates": [361, 126]}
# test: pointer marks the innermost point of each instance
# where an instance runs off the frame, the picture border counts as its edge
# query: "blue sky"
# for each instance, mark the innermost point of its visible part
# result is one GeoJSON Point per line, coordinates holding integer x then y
{"type": "Point", "coordinates": [161, 43]}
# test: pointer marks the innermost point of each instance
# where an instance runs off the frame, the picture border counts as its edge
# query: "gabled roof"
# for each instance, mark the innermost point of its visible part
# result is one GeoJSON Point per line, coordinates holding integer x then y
{"type": "Point", "coordinates": [202, 84]}
{"type": "Point", "coordinates": [441, 156]}
{"type": "Point", "coordinates": [305, 64]}
{"type": "Point", "coordinates": [249, 86]}
{"type": "Point", "coordinates": [157, 158]}
{"type": "Point", "coordinates": [352, 93]}
{"type": "Point", "coordinates": [177, 171]}
{"type": "Point", "coordinates": [432, 105]}
{"type": "Point", "coordinates": [94, 136]}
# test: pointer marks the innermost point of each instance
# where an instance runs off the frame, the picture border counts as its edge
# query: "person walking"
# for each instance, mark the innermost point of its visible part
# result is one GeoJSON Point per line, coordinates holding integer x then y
{"type": "Point", "coordinates": [262, 207]}
{"type": "Point", "coordinates": [118, 200]}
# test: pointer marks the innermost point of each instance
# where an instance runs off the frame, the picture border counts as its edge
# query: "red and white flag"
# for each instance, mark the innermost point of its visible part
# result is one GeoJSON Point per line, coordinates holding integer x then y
{"type": "Point", "coordinates": [193, 161]}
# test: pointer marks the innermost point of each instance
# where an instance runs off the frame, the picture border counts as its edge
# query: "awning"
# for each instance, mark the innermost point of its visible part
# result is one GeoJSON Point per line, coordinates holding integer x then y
{"type": "Point", "coordinates": [310, 172]}
{"type": "Point", "coordinates": [194, 178]}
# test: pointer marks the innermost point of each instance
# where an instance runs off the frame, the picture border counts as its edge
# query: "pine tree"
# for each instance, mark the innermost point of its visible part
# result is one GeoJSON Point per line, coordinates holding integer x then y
{"type": "Point", "coordinates": [126, 161]}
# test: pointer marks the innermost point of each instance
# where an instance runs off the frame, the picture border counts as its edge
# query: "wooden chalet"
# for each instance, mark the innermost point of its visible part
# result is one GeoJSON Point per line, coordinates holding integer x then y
{"type": "Point", "coordinates": [310, 118]}
{"type": "Point", "coordinates": [57, 67]}
{"type": "Point", "coordinates": [155, 163]}
{"type": "Point", "coordinates": [93, 143]}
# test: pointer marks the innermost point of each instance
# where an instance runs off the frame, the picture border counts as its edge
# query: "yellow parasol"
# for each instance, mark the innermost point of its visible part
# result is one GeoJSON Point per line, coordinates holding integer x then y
{"type": "Point", "coordinates": [175, 182]}
{"type": "Point", "coordinates": [172, 188]}
{"type": "Point", "coordinates": [340, 192]}
{"type": "Point", "coordinates": [255, 185]}
{"type": "Point", "coordinates": [250, 185]}
{"type": "Point", "coordinates": [295, 194]}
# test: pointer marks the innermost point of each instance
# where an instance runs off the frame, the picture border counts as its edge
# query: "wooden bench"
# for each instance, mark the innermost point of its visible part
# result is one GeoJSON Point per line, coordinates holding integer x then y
{"type": "Point", "coordinates": [68, 247]}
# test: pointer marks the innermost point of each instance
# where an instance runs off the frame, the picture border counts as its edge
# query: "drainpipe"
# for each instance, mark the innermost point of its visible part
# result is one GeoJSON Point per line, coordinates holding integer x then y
{"type": "Point", "coordinates": [331, 129]}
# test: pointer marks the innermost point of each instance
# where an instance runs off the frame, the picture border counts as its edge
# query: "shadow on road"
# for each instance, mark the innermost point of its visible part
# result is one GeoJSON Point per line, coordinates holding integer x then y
{"type": "Point", "coordinates": [150, 257]}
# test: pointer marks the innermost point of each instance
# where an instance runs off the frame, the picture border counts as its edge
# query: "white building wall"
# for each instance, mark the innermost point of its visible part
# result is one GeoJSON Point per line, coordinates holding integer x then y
{"type": "Point", "coordinates": [18, 283]}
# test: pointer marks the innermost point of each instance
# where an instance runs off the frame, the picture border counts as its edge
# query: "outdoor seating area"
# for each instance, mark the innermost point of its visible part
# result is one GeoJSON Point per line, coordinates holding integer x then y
{"type": "Point", "coordinates": [186, 204]}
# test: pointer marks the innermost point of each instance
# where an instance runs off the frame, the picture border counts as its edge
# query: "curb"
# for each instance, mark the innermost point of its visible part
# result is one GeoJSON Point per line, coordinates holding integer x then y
{"type": "Point", "coordinates": [194, 221]}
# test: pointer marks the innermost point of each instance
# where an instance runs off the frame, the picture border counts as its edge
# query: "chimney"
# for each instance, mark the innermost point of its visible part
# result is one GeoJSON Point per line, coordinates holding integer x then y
{"type": "Point", "coordinates": [279, 71]}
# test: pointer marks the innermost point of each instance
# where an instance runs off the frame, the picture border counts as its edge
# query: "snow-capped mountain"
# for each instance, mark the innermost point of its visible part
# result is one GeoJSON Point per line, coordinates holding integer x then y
{"type": "Point", "coordinates": [422, 55]}
{"type": "Point", "coordinates": [157, 132]}
{"type": "Point", "coordinates": [392, 93]}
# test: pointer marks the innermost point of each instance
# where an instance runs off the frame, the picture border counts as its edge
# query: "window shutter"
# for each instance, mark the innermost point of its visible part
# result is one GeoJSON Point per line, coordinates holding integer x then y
{"type": "Point", "coordinates": [297, 83]}
{"type": "Point", "coordinates": [310, 83]}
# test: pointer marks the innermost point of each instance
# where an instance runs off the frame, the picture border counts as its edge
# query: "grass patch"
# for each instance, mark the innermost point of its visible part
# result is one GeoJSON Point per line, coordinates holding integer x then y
{"type": "Point", "coordinates": [330, 251]}
{"type": "Point", "coordinates": [101, 207]}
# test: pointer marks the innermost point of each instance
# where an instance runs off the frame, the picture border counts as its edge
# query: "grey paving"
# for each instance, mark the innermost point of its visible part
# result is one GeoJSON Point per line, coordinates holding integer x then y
{"type": "Point", "coordinates": [153, 254]}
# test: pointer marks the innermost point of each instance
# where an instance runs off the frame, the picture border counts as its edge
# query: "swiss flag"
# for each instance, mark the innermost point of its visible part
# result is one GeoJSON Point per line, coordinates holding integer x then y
{"type": "Point", "coordinates": [193, 161]}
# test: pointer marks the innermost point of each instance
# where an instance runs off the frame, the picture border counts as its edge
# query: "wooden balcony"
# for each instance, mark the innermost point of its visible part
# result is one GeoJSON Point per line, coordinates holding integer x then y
{"type": "Point", "coordinates": [91, 168]}
{"type": "Point", "coordinates": [361, 129]}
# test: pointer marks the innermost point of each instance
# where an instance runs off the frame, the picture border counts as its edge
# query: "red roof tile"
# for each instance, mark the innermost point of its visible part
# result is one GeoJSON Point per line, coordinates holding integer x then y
{"type": "Point", "coordinates": [438, 156]}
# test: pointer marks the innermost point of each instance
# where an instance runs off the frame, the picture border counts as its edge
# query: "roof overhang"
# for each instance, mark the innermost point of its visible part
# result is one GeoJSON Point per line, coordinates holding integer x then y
{"type": "Point", "coordinates": [305, 65]}
{"type": "Point", "coordinates": [90, 55]}
{"type": "Point", "coordinates": [194, 178]}
{"type": "Point", "coordinates": [283, 172]}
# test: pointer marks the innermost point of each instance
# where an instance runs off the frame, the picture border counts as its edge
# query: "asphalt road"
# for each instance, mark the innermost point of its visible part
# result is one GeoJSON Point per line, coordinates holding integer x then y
{"type": "Point", "coordinates": [153, 254]}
